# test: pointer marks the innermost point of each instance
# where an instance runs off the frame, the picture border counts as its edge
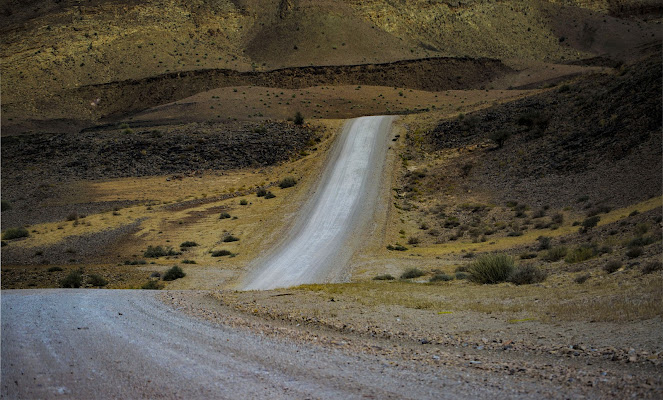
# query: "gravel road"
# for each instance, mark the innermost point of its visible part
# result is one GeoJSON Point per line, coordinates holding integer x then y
{"type": "Point", "coordinates": [102, 344]}
{"type": "Point", "coordinates": [321, 242]}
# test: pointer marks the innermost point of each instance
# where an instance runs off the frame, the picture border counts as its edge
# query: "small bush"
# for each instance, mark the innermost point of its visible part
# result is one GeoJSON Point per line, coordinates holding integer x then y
{"type": "Point", "coordinates": [287, 182]}
{"type": "Point", "coordinates": [97, 280]}
{"type": "Point", "coordinates": [230, 238]}
{"type": "Point", "coordinates": [544, 242]}
{"type": "Point", "coordinates": [612, 266]}
{"type": "Point", "coordinates": [54, 269]}
{"type": "Point", "coordinates": [527, 256]}
{"type": "Point", "coordinates": [527, 275]}
{"type": "Point", "coordinates": [385, 277]}
{"type": "Point", "coordinates": [152, 285]}
{"type": "Point", "coordinates": [555, 254]}
{"type": "Point", "coordinates": [499, 137]}
{"type": "Point", "coordinates": [580, 279]}
{"type": "Point", "coordinates": [270, 195]}
{"type": "Point", "coordinates": [299, 118]}
{"type": "Point", "coordinates": [412, 273]}
{"type": "Point", "coordinates": [641, 241]}
{"type": "Point", "coordinates": [135, 262]}
{"type": "Point", "coordinates": [73, 280]}
{"type": "Point", "coordinates": [261, 192]}
{"type": "Point", "coordinates": [243, 202]}
{"type": "Point", "coordinates": [396, 247]}
{"type": "Point", "coordinates": [460, 275]}
{"type": "Point", "coordinates": [635, 252]}
{"type": "Point", "coordinates": [652, 267]}
{"type": "Point", "coordinates": [15, 233]}
{"type": "Point", "coordinates": [189, 244]}
{"type": "Point", "coordinates": [441, 278]}
{"type": "Point", "coordinates": [188, 262]}
{"type": "Point", "coordinates": [159, 251]}
{"type": "Point", "coordinates": [220, 253]}
{"type": "Point", "coordinates": [174, 273]}
{"type": "Point", "coordinates": [413, 240]}
{"type": "Point", "coordinates": [72, 217]}
{"type": "Point", "coordinates": [462, 268]}
{"type": "Point", "coordinates": [580, 254]}
{"type": "Point", "coordinates": [224, 215]}
{"type": "Point", "coordinates": [591, 222]}
{"type": "Point", "coordinates": [491, 268]}
{"type": "Point", "coordinates": [557, 219]}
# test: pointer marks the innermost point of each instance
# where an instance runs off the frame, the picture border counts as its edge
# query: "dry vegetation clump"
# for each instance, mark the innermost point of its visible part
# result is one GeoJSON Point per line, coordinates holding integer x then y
{"type": "Point", "coordinates": [491, 268]}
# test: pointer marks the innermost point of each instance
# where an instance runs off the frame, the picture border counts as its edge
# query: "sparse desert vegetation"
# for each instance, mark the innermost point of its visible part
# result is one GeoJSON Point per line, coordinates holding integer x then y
{"type": "Point", "coordinates": [520, 210]}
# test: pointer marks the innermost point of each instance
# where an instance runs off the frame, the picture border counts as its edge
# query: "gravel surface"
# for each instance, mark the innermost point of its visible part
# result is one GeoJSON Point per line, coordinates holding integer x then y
{"type": "Point", "coordinates": [83, 344]}
{"type": "Point", "coordinates": [320, 244]}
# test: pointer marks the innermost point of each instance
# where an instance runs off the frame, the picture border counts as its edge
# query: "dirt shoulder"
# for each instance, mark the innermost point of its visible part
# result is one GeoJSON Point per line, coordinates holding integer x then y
{"type": "Point", "coordinates": [467, 340]}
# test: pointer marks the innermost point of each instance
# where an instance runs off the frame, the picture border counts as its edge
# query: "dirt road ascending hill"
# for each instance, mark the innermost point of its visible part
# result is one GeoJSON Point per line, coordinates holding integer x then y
{"type": "Point", "coordinates": [102, 344]}
{"type": "Point", "coordinates": [322, 241]}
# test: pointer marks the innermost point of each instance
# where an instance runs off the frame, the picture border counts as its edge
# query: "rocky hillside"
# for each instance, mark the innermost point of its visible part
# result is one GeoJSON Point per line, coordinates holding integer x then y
{"type": "Point", "coordinates": [598, 137]}
{"type": "Point", "coordinates": [47, 46]}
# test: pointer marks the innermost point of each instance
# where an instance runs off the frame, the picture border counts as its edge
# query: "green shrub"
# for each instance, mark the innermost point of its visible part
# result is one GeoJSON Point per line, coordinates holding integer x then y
{"type": "Point", "coordinates": [612, 266]}
{"type": "Point", "coordinates": [188, 262]}
{"type": "Point", "coordinates": [189, 244]}
{"type": "Point", "coordinates": [152, 285]}
{"type": "Point", "coordinates": [396, 247]}
{"type": "Point", "coordinates": [499, 137]}
{"type": "Point", "coordinates": [555, 254]}
{"type": "Point", "coordinates": [528, 274]}
{"type": "Point", "coordinates": [220, 253]}
{"type": "Point", "coordinates": [413, 240]}
{"type": "Point", "coordinates": [412, 273]}
{"type": "Point", "coordinates": [135, 262]}
{"type": "Point", "coordinates": [54, 269]}
{"type": "Point", "coordinates": [635, 252]}
{"type": "Point", "coordinates": [243, 202]}
{"type": "Point", "coordinates": [544, 242]}
{"type": "Point", "coordinates": [385, 277]}
{"type": "Point", "coordinates": [441, 278]}
{"type": "Point", "coordinates": [159, 251]}
{"type": "Point", "coordinates": [491, 268]}
{"type": "Point", "coordinates": [557, 218]}
{"type": "Point", "coordinates": [652, 267]}
{"type": "Point", "coordinates": [174, 273]}
{"type": "Point", "coordinates": [15, 233]}
{"type": "Point", "coordinates": [97, 280]}
{"type": "Point", "coordinates": [641, 229]}
{"type": "Point", "coordinates": [73, 280]}
{"type": "Point", "coordinates": [299, 118]}
{"type": "Point", "coordinates": [580, 279]}
{"type": "Point", "coordinates": [5, 205]}
{"type": "Point", "coordinates": [642, 241]}
{"type": "Point", "coordinates": [230, 238]}
{"type": "Point", "coordinates": [462, 268]}
{"type": "Point", "coordinates": [460, 275]}
{"type": "Point", "coordinates": [580, 254]}
{"type": "Point", "coordinates": [261, 192]}
{"type": "Point", "coordinates": [287, 182]}
{"type": "Point", "coordinates": [224, 215]}
{"type": "Point", "coordinates": [591, 222]}
{"type": "Point", "coordinates": [270, 195]}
